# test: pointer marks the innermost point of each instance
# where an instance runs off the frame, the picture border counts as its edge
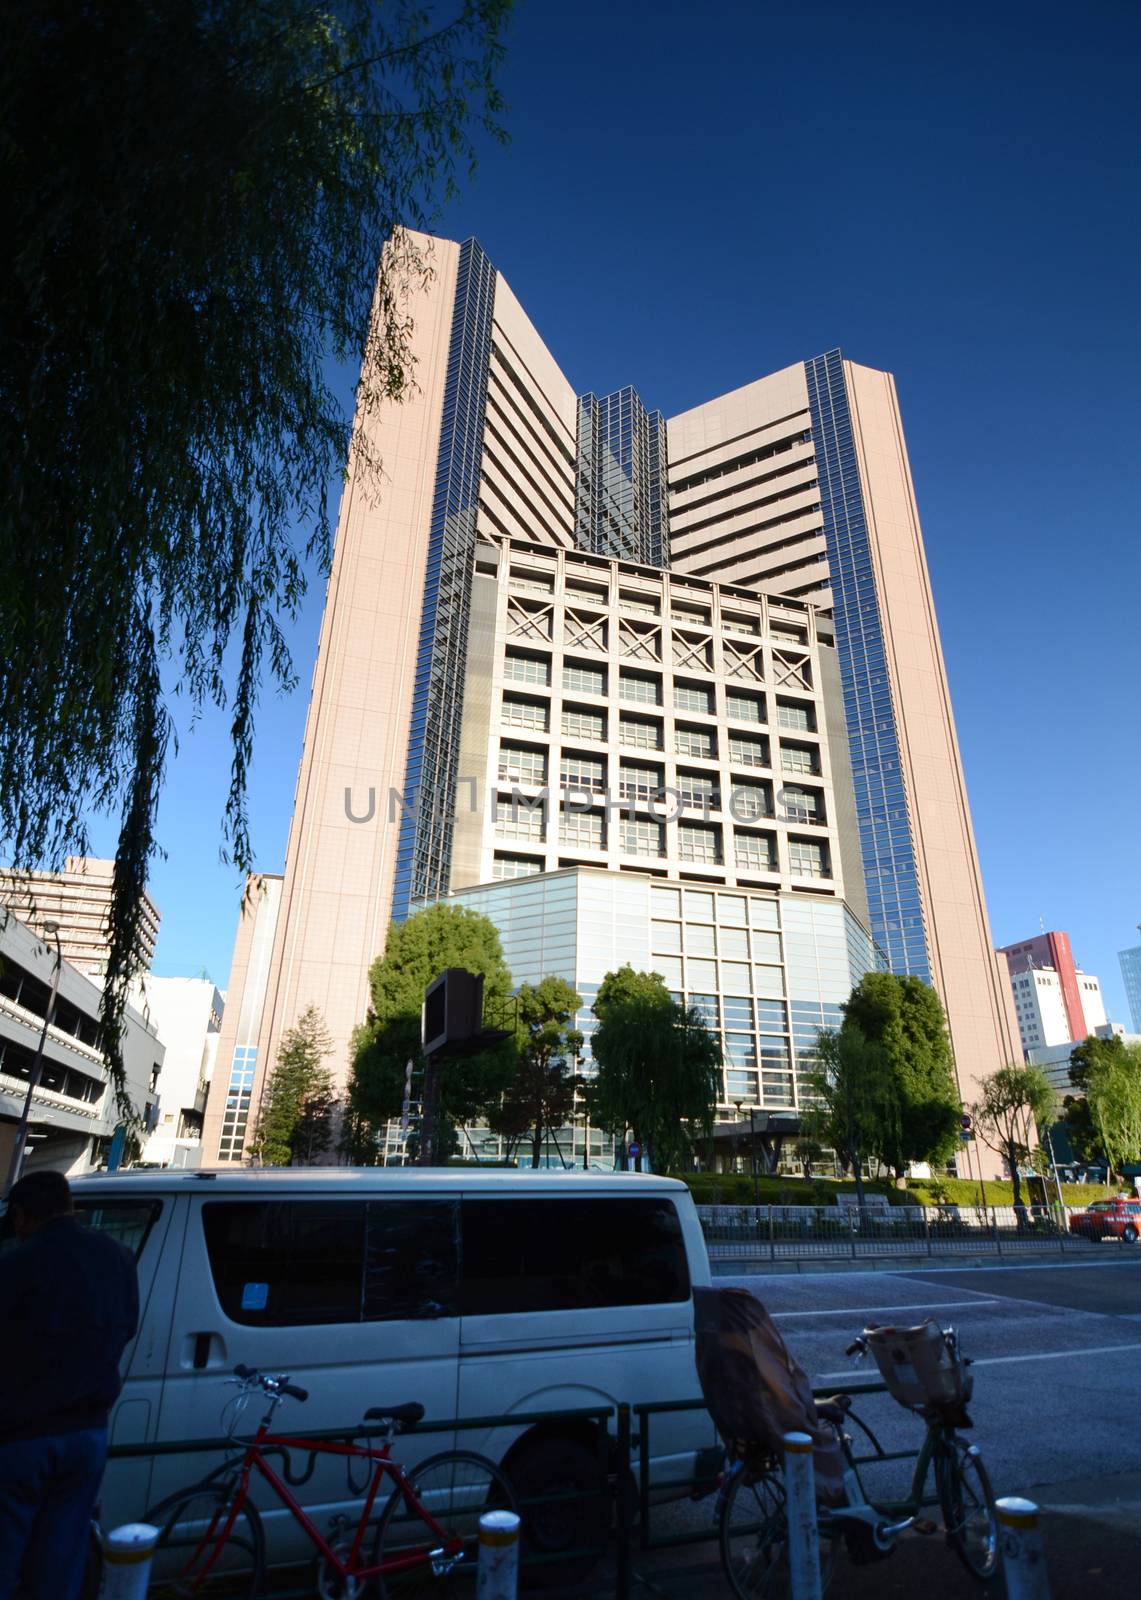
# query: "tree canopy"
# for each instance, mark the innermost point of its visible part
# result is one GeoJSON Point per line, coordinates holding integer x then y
{"type": "Point", "coordinates": [295, 1123]}
{"type": "Point", "coordinates": [1015, 1101]}
{"type": "Point", "coordinates": [540, 1096]}
{"type": "Point", "coordinates": [198, 199]}
{"type": "Point", "coordinates": [417, 951]}
{"type": "Point", "coordinates": [658, 1067]}
{"type": "Point", "coordinates": [1107, 1115]}
{"type": "Point", "coordinates": [905, 1017]}
{"type": "Point", "coordinates": [857, 1103]}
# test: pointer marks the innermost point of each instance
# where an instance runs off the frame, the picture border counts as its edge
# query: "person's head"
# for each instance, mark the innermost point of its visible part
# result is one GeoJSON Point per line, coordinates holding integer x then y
{"type": "Point", "coordinates": [38, 1198]}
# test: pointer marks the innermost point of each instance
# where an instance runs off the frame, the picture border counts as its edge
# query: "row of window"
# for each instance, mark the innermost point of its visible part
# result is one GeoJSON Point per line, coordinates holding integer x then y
{"type": "Point", "coordinates": [640, 836]}
{"type": "Point", "coordinates": [519, 763]}
{"type": "Point", "coordinates": [635, 603]}
{"type": "Point", "coordinates": [645, 688]}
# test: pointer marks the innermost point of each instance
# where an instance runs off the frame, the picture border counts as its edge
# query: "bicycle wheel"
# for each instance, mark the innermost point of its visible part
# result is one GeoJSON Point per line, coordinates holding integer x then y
{"type": "Point", "coordinates": [188, 1562]}
{"type": "Point", "coordinates": [456, 1487]}
{"type": "Point", "coordinates": [967, 1501]}
{"type": "Point", "coordinates": [754, 1539]}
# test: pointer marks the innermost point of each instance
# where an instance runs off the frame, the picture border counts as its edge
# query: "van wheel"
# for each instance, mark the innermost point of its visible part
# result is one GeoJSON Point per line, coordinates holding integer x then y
{"type": "Point", "coordinates": [1129, 1233]}
{"type": "Point", "coordinates": [576, 1524]}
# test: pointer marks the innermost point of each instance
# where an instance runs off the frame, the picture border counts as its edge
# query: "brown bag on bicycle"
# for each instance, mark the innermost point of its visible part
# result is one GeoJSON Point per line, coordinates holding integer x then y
{"type": "Point", "coordinates": [755, 1391]}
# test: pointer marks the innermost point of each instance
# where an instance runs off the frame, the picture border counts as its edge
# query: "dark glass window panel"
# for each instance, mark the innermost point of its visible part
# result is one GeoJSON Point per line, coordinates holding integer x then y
{"type": "Point", "coordinates": [569, 1255]}
{"type": "Point", "coordinates": [286, 1263]}
{"type": "Point", "coordinates": [412, 1260]}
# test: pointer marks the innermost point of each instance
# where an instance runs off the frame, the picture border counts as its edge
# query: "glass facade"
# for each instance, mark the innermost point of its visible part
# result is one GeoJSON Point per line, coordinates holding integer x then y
{"type": "Point", "coordinates": [1131, 977]}
{"type": "Point", "coordinates": [424, 851]}
{"type": "Point", "coordinates": [620, 484]}
{"type": "Point", "coordinates": [895, 908]}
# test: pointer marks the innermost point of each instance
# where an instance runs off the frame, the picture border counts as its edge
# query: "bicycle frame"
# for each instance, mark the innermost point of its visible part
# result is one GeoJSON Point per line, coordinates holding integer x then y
{"type": "Point", "coordinates": [936, 1441]}
{"type": "Point", "coordinates": [385, 1466]}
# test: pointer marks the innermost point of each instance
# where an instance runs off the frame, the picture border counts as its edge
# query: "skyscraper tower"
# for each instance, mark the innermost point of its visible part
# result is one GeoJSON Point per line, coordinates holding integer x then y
{"type": "Point", "coordinates": [796, 486]}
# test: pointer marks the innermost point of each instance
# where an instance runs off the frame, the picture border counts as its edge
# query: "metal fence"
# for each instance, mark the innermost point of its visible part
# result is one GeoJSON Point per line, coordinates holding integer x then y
{"type": "Point", "coordinates": [798, 1233]}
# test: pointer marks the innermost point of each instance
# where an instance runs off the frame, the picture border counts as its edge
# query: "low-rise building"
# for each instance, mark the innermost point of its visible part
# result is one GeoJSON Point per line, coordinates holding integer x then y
{"type": "Point", "coordinates": [188, 1015]}
{"type": "Point", "coordinates": [1055, 1001]}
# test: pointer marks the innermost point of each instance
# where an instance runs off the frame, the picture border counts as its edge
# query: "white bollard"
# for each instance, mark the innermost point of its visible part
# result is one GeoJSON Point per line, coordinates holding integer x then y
{"type": "Point", "coordinates": [1023, 1558]}
{"type": "Point", "coordinates": [803, 1537]}
{"type": "Point", "coordinates": [127, 1555]}
{"type": "Point", "coordinates": [498, 1556]}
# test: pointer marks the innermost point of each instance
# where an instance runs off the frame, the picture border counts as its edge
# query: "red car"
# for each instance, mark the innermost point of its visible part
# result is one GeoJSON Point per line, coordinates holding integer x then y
{"type": "Point", "coordinates": [1109, 1219]}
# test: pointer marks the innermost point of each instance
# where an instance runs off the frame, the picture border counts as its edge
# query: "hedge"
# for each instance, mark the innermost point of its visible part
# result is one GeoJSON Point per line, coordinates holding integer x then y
{"type": "Point", "coordinates": [736, 1188]}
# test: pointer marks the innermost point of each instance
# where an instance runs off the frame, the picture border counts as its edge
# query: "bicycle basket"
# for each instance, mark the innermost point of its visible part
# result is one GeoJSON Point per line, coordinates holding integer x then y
{"type": "Point", "coordinates": [920, 1368]}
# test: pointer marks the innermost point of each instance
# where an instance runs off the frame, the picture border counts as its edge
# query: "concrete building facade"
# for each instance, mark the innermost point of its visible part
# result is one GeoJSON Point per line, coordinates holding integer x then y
{"type": "Point", "coordinates": [187, 1013]}
{"type": "Point", "coordinates": [796, 486]}
{"type": "Point", "coordinates": [79, 900]}
{"type": "Point", "coordinates": [1055, 1001]}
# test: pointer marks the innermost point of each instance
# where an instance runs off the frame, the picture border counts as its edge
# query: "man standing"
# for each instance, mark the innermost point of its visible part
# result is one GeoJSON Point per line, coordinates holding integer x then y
{"type": "Point", "coordinates": [69, 1302]}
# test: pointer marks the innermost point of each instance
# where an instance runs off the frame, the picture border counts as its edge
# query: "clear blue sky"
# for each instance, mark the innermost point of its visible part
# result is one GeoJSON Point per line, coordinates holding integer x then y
{"type": "Point", "coordinates": [696, 196]}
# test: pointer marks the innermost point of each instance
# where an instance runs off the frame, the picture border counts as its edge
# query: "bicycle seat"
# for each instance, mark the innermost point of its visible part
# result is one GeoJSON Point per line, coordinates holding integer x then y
{"type": "Point", "coordinates": [834, 1409]}
{"type": "Point", "coordinates": [408, 1413]}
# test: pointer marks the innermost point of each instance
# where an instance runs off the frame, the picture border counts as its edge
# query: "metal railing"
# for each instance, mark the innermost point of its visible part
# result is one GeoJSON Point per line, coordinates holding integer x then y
{"type": "Point", "coordinates": [788, 1233]}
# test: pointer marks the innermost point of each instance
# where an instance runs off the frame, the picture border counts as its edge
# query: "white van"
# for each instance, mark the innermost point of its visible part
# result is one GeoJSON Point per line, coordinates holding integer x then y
{"type": "Point", "coordinates": [476, 1293]}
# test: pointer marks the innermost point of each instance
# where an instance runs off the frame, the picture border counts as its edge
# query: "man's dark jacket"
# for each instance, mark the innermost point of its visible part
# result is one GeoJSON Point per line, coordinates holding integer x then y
{"type": "Point", "coordinates": [69, 1303]}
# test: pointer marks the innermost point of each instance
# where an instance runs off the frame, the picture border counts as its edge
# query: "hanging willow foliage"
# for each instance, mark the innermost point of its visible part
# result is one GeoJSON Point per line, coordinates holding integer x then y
{"type": "Point", "coordinates": [199, 195]}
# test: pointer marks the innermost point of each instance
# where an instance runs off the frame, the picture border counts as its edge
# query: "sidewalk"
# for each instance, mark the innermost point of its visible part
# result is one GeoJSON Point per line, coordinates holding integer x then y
{"type": "Point", "coordinates": [1092, 1532]}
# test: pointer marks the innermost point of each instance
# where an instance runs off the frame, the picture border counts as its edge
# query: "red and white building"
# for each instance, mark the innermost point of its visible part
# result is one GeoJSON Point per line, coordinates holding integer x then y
{"type": "Point", "coordinates": [1055, 1001]}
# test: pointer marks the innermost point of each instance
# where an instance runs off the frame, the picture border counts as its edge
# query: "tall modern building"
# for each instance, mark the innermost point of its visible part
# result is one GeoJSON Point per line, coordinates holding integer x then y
{"type": "Point", "coordinates": [1054, 1000]}
{"type": "Point", "coordinates": [551, 590]}
{"type": "Point", "coordinates": [1130, 961]}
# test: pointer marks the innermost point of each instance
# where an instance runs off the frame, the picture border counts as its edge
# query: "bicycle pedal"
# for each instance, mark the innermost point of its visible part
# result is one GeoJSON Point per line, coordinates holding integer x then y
{"type": "Point", "coordinates": [924, 1525]}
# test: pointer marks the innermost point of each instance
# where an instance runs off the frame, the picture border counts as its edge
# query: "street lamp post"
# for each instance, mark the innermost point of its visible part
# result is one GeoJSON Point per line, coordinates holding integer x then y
{"type": "Point", "coordinates": [17, 1162]}
{"type": "Point", "coordinates": [753, 1150]}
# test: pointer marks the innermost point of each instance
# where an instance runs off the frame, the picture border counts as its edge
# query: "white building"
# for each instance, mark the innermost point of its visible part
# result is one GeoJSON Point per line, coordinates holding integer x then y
{"type": "Point", "coordinates": [1055, 1059]}
{"type": "Point", "coordinates": [1040, 1006]}
{"type": "Point", "coordinates": [73, 1111]}
{"type": "Point", "coordinates": [188, 1015]}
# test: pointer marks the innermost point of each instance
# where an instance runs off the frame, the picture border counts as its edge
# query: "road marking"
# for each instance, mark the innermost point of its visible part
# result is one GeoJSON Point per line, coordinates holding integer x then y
{"type": "Point", "coordinates": [918, 1305]}
{"type": "Point", "coordinates": [1004, 1361]}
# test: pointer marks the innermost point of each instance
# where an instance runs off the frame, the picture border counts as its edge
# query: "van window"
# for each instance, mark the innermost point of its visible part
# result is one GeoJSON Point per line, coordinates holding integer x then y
{"type": "Point", "coordinates": [129, 1221]}
{"type": "Point", "coordinates": [567, 1255]}
{"type": "Point", "coordinates": [286, 1263]}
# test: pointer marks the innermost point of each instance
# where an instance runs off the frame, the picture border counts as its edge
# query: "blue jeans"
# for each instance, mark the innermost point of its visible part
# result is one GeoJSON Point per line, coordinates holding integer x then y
{"type": "Point", "coordinates": [48, 1490]}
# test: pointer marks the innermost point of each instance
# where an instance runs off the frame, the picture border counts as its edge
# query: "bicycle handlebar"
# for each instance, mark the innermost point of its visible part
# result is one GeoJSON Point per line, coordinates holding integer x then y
{"type": "Point", "coordinates": [270, 1385]}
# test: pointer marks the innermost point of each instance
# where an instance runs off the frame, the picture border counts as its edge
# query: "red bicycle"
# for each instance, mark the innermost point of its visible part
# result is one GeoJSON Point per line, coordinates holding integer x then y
{"type": "Point", "coordinates": [211, 1539]}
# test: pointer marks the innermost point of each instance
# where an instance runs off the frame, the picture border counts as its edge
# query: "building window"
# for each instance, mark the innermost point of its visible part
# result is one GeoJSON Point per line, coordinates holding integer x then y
{"type": "Point", "coordinates": [697, 789]}
{"type": "Point", "coordinates": [515, 819]}
{"type": "Point", "coordinates": [695, 742]}
{"type": "Point", "coordinates": [641, 838]}
{"type": "Point", "coordinates": [794, 714]}
{"type": "Point", "coordinates": [638, 604]}
{"type": "Point", "coordinates": [801, 805]}
{"type": "Point", "coordinates": [754, 852]}
{"type": "Point", "coordinates": [644, 733]}
{"type": "Point", "coordinates": [520, 764]}
{"type": "Point", "coordinates": [748, 752]}
{"type": "Point", "coordinates": [641, 687]}
{"type": "Point", "coordinates": [579, 723]}
{"type": "Point", "coordinates": [666, 937]}
{"type": "Point", "coordinates": [639, 783]}
{"type": "Point", "coordinates": [582, 829]}
{"type": "Point", "coordinates": [693, 697]}
{"type": "Point", "coordinates": [799, 758]}
{"type": "Point", "coordinates": [698, 843]}
{"type": "Point", "coordinates": [745, 707]}
{"type": "Point", "coordinates": [525, 714]}
{"type": "Point", "coordinates": [583, 679]}
{"type": "Point", "coordinates": [807, 858]}
{"type": "Point", "coordinates": [505, 866]}
{"type": "Point", "coordinates": [582, 772]}
{"type": "Point", "coordinates": [519, 667]}
{"type": "Point", "coordinates": [749, 801]}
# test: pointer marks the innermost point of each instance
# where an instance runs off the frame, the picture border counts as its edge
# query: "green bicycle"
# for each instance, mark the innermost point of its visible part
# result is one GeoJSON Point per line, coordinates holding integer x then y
{"type": "Point", "coordinates": [752, 1517]}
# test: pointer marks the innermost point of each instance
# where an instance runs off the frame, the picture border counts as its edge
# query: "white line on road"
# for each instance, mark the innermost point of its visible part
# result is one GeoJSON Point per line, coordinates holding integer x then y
{"type": "Point", "coordinates": [1003, 1361]}
{"type": "Point", "coordinates": [917, 1305]}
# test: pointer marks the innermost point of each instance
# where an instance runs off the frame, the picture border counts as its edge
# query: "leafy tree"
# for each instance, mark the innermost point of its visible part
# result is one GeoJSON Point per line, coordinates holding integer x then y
{"type": "Point", "coordinates": [1015, 1100]}
{"type": "Point", "coordinates": [857, 1109]}
{"type": "Point", "coordinates": [905, 1017]}
{"type": "Point", "coordinates": [417, 951]}
{"type": "Point", "coordinates": [295, 1124]}
{"type": "Point", "coordinates": [659, 1067]}
{"type": "Point", "coordinates": [540, 1096]}
{"type": "Point", "coordinates": [198, 199]}
{"type": "Point", "coordinates": [1111, 1078]}
{"type": "Point", "coordinates": [809, 1152]}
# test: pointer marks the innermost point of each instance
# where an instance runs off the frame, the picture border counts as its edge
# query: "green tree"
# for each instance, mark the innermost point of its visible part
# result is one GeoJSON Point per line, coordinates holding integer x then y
{"type": "Point", "coordinates": [295, 1124]}
{"type": "Point", "coordinates": [1112, 1083]}
{"type": "Point", "coordinates": [540, 1096]}
{"type": "Point", "coordinates": [905, 1017]}
{"type": "Point", "coordinates": [857, 1104]}
{"type": "Point", "coordinates": [1015, 1101]}
{"type": "Point", "coordinates": [198, 199]}
{"type": "Point", "coordinates": [417, 951]}
{"type": "Point", "coordinates": [658, 1067]}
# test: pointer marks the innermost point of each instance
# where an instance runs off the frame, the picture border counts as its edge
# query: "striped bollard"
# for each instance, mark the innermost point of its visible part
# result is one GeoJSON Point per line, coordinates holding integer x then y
{"type": "Point", "coordinates": [1023, 1558]}
{"type": "Point", "coordinates": [803, 1537]}
{"type": "Point", "coordinates": [127, 1555]}
{"type": "Point", "coordinates": [498, 1556]}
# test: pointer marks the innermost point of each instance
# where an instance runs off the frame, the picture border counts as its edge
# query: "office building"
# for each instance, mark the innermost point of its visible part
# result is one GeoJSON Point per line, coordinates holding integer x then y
{"type": "Point", "coordinates": [1055, 1001]}
{"type": "Point", "coordinates": [1054, 1060]}
{"type": "Point", "coordinates": [73, 1111]}
{"type": "Point", "coordinates": [793, 493]}
{"type": "Point", "coordinates": [187, 1014]}
{"type": "Point", "coordinates": [1130, 961]}
{"type": "Point", "coordinates": [79, 900]}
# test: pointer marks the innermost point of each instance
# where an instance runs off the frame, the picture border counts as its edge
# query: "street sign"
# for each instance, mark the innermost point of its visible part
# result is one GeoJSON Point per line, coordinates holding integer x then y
{"type": "Point", "coordinates": [118, 1144]}
{"type": "Point", "coordinates": [965, 1135]}
{"type": "Point", "coordinates": [965, 1122]}
{"type": "Point", "coordinates": [634, 1151]}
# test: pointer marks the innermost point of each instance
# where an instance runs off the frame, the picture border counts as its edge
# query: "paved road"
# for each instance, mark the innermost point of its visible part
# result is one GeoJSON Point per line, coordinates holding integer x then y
{"type": "Point", "coordinates": [1057, 1411]}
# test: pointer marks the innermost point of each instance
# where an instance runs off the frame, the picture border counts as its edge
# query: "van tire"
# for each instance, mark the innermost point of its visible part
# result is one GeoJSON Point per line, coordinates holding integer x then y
{"type": "Point", "coordinates": [1129, 1233]}
{"type": "Point", "coordinates": [557, 1466]}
